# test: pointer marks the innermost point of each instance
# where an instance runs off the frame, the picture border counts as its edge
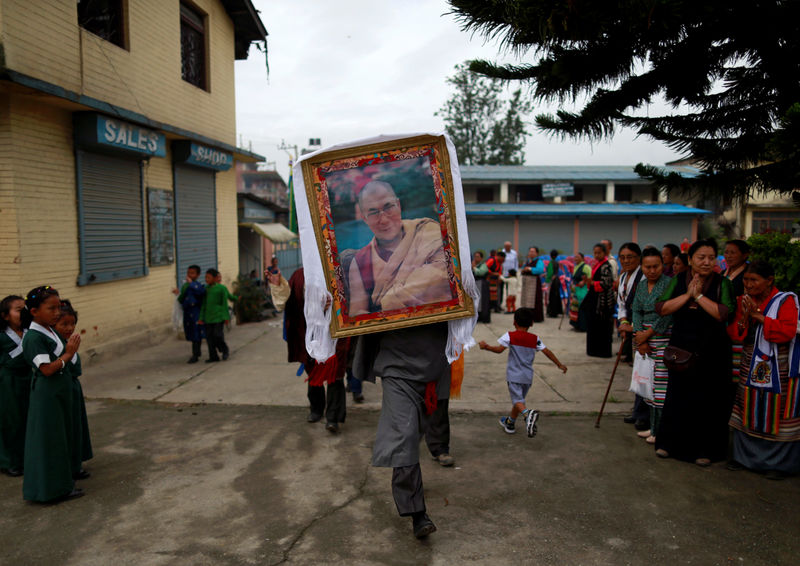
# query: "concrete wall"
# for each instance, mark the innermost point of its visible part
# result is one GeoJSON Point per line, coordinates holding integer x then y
{"type": "Point", "coordinates": [546, 234]}
{"type": "Point", "coordinates": [618, 229]}
{"type": "Point", "coordinates": [489, 234]}
{"type": "Point", "coordinates": [664, 230]}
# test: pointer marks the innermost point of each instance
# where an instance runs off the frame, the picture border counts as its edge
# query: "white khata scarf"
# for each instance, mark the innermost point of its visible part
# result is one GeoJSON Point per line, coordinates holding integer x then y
{"type": "Point", "coordinates": [319, 343]}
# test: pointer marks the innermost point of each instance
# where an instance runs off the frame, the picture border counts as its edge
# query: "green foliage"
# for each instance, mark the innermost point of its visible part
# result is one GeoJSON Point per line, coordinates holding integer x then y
{"type": "Point", "coordinates": [783, 254]}
{"type": "Point", "coordinates": [251, 300]}
{"type": "Point", "coordinates": [729, 73]}
{"type": "Point", "coordinates": [485, 129]}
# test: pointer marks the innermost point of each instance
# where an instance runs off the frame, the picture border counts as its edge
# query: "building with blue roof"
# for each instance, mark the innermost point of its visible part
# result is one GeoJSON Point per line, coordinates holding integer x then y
{"type": "Point", "coordinates": [569, 208]}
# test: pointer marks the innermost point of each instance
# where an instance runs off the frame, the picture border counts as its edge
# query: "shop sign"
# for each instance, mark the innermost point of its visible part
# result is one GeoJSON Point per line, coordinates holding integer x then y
{"type": "Point", "coordinates": [112, 133]}
{"type": "Point", "coordinates": [202, 155]}
{"type": "Point", "coordinates": [558, 190]}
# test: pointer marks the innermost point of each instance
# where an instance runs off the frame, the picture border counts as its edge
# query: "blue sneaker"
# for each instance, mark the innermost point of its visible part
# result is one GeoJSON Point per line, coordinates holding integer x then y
{"type": "Point", "coordinates": [508, 425]}
{"type": "Point", "coordinates": [530, 422]}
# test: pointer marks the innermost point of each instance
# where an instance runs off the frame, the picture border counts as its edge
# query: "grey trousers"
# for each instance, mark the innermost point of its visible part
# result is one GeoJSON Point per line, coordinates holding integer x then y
{"type": "Point", "coordinates": [407, 490]}
{"type": "Point", "coordinates": [437, 436]}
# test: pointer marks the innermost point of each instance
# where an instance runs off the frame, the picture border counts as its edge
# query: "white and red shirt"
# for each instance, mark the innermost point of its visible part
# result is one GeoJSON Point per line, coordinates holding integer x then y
{"type": "Point", "coordinates": [522, 347]}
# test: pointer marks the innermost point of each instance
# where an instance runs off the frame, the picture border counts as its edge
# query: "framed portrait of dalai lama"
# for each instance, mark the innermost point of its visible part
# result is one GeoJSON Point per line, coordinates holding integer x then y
{"type": "Point", "coordinates": [384, 219]}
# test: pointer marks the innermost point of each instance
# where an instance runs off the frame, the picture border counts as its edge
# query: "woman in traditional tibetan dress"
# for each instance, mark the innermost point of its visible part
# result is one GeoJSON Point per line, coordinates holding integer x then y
{"type": "Point", "coordinates": [736, 252]}
{"type": "Point", "coordinates": [531, 294]}
{"type": "Point", "coordinates": [651, 332]}
{"type": "Point", "coordinates": [599, 306]}
{"type": "Point", "coordinates": [694, 421]}
{"type": "Point", "coordinates": [766, 414]}
{"type": "Point", "coordinates": [580, 280]}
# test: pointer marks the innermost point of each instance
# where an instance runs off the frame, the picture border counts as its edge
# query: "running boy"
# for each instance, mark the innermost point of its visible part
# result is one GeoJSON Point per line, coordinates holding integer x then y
{"type": "Point", "coordinates": [519, 373]}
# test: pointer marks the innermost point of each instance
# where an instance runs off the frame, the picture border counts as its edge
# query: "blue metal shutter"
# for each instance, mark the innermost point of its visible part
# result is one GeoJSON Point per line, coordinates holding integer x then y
{"type": "Point", "coordinates": [195, 218]}
{"type": "Point", "coordinates": [111, 218]}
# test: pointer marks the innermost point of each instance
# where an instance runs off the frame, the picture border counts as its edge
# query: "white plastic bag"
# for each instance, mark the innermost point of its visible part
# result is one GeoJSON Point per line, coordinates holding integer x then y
{"type": "Point", "coordinates": [177, 316]}
{"type": "Point", "coordinates": [280, 294]}
{"type": "Point", "coordinates": [642, 376]}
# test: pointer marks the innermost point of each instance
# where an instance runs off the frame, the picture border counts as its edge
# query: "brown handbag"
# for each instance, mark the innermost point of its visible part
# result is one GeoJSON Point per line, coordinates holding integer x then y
{"type": "Point", "coordinates": [678, 359]}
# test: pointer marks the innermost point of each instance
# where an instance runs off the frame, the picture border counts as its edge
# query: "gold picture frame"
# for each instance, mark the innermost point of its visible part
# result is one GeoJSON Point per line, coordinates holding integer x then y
{"type": "Point", "coordinates": [384, 220]}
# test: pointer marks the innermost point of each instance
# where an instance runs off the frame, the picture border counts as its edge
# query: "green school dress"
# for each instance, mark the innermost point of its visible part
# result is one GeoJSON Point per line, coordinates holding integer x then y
{"type": "Point", "coordinates": [81, 442]}
{"type": "Point", "coordinates": [15, 389]}
{"type": "Point", "coordinates": [48, 438]}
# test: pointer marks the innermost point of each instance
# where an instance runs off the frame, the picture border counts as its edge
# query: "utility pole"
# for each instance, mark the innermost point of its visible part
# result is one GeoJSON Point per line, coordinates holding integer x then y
{"type": "Point", "coordinates": [292, 158]}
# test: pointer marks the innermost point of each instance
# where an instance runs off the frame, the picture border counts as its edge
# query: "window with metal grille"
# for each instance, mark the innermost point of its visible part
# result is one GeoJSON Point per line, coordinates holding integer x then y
{"type": "Point", "coordinates": [773, 221]}
{"type": "Point", "coordinates": [193, 46]}
{"type": "Point", "coordinates": [104, 18]}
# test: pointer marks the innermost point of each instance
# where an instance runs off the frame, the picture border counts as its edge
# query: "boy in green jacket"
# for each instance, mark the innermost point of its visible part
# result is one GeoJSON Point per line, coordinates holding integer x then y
{"type": "Point", "coordinates": [213, 315]}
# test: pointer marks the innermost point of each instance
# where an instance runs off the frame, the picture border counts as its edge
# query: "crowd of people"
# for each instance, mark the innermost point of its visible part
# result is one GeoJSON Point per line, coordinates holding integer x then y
{"type": "Point", "coordinates": [724, 383]}
{"type": "Point", "coordinates": [720, 340]}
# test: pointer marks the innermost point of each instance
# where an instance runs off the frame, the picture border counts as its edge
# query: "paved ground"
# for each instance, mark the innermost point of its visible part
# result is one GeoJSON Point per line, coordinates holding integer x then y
{"type": "Point", "coordinates": [215, 464]}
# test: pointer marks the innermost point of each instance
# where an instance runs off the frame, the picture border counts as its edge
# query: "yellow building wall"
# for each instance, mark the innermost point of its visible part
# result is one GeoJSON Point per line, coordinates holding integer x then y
{"type": "Point", "coordinates": [38, 195]}
{"type": "Point", "coordinates": [40, 229]}
{"type": "Point", "coordinates": [42, 39]}
{"type": "Point", "coordinates": [9, 233]}
{"type": "Point", "coordinates": [227, 228]}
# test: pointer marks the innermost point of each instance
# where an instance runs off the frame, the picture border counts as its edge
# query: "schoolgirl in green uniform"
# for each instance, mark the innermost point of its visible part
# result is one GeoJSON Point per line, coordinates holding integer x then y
{"type": "Point", "coordinates": [81, 442]}
{"type": "Point", "coordinates": [48, 456]}
{"type": "Point", "coordinates": [15, 387]}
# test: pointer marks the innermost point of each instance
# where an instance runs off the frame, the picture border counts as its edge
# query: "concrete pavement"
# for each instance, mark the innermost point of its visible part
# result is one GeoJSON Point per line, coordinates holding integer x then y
{"type": "Point", "coordinates": [215, 464]}
{"type": "Point", "coordinates": [257, 374]}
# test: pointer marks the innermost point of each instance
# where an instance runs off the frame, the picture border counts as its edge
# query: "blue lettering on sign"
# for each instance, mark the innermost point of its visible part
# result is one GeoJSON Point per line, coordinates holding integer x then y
{"type": "Point", "coordinates": [128, 136]}
{"type": "Point", "coordinates": [209, 157]}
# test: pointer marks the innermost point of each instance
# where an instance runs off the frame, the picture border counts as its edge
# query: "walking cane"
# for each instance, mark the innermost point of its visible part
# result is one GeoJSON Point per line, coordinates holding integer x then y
{"type": "Point", "coordinates": [564, 310]}
{"type": "Point", "coordinates": [610, 381]}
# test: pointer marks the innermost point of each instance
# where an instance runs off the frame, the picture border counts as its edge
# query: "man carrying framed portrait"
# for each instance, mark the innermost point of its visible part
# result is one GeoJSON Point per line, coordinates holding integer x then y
{"type": "Point", "coordinates": [383, 235]}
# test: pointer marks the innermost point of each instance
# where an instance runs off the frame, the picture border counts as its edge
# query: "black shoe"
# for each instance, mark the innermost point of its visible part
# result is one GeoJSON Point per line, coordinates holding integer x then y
{"type": "Point", "coordinates": [12, 472]}
{"type": "Point", "coordinates": [629, 419]}
{"type": "Point", "coordinates": [212, 360]}
{"type": "Point", "coordinates": [776, 475]}
{"type": "Point", "coordinates": [313, 417]}
{"type": "Point", "coordinates": [734, 466]}
{"type": "Point", "coordinates": [225, 356]}
{"type": "Point", "coordinates": [358, 398]}
{"type": "Point", "coordinates": [423, 526]}
{"type": "Point", "coordinates": [641, 425]}
{"type": "Point", "coordinates": [74, 494]}
{"type": "Point", "coordinates": [192, 360]}
{"type": "Point", "coordinates": [81, 474]}
{"type": "Point", "coordinates": [333, 428]}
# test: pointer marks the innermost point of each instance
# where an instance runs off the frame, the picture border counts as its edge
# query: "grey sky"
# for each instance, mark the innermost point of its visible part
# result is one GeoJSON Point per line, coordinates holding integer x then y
{"type": "Point", "coordinates": [348, 69]}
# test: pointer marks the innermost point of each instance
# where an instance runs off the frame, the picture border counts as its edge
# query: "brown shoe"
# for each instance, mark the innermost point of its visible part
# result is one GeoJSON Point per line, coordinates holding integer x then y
{"type": "Point", "coordinates": [661, 453]}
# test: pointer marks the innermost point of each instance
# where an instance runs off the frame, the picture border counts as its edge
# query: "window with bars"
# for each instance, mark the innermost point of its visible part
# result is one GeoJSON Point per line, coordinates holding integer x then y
{"type": "Point", "coordinates": [104, 18]}
{"type": "Point", "coordinates": [773, 221]}
{"type": "Point", "coordinates": [193, 46]}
